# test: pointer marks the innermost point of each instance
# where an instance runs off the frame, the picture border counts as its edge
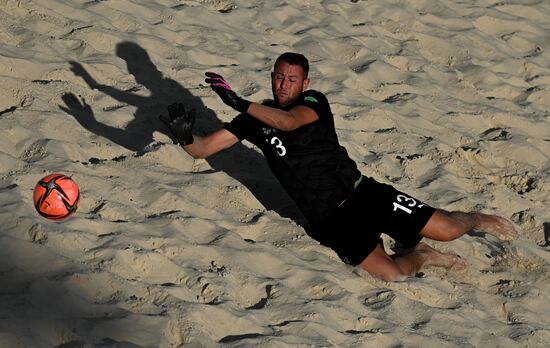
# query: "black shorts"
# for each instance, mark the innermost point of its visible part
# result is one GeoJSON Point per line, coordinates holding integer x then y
{"type": "Point", "coordinates": [353, 230]}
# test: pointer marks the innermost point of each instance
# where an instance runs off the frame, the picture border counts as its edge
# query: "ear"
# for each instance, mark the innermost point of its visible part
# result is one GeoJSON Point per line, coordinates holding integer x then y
{"type": "Point", "coordinates": [305, 84]}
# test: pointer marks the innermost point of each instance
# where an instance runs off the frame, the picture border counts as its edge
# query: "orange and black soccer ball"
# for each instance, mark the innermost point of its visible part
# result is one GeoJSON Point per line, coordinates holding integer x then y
{"type": "Point", "coordinates": [56, 197]}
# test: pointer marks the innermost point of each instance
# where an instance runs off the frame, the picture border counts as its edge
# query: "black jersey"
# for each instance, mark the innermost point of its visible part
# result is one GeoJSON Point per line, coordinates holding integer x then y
{"type": "Point", "coordinates": [308, 161]}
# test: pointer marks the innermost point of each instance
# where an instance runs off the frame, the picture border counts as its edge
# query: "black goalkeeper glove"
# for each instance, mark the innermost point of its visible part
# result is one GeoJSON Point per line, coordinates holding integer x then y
{"type": "Point", "coordinates": [180, 123]}
{"type": "Point", "coordinates": [226, 93]}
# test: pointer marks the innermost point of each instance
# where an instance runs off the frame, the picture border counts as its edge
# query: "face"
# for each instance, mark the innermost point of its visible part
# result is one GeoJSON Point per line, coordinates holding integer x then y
{"type": "Point", "coordinates": [288, 82]}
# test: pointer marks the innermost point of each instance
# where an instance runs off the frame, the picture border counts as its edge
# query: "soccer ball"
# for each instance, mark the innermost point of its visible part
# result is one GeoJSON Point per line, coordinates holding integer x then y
{"type": "Point", "coordinates": [56, 197]}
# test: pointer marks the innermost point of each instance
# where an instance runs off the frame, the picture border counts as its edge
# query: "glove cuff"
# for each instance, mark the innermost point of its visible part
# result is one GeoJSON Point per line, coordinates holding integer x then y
{"type": "Point", "coordinates": [187, 141]}
{"type": "Point", "coordinates": [242, 105]}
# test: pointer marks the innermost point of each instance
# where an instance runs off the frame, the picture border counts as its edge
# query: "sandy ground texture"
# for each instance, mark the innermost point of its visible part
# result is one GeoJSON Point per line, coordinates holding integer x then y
{"type": "Point", "coordinates": [446, 100]}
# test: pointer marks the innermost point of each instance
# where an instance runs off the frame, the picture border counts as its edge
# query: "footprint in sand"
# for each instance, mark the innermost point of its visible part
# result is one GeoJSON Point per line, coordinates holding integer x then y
{"type": "Point", "coordinates": [35, 151]}
{"type": "Point", "coordinates": [510, 288]}
{"type": "Point", "coordinates": [379, 299]}
{"type": "Point", "coordinates": [496, 134]}
{"type": "Point", "coordinates": [263, 301]}
{"type": "Point", "coordinates": [146, 266]}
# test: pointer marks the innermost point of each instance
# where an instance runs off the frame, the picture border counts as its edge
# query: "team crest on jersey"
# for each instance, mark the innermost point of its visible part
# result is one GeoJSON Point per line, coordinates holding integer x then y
{"type": "Point", "coordinates": [267, 130]}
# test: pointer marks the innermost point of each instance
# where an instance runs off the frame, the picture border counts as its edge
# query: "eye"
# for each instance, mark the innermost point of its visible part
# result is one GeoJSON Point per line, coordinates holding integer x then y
{"type": "Point", "coordinates": [293, 79]}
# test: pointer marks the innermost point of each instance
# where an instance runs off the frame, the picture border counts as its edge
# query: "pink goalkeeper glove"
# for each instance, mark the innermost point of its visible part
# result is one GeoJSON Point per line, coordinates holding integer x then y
{"type": "Point", "coordinates": [226, 93]}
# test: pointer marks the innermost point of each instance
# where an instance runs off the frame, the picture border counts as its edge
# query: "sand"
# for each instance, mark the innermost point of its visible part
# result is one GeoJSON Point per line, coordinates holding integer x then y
{"type": "Point", "coordinates": [445, 100]}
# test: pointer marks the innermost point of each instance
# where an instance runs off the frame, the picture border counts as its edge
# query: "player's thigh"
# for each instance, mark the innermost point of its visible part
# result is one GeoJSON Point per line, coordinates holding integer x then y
{"type": "Point", "coordinates": [395, 213]}
{"type": "Point", "coordinates": [379, 264]}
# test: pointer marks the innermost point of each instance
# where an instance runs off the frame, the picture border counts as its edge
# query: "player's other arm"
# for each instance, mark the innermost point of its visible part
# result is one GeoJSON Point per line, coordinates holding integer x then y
{"type": "Point", "coordinates": [280, 119]}
{"type": "Point", "coordinates": [292, 119]}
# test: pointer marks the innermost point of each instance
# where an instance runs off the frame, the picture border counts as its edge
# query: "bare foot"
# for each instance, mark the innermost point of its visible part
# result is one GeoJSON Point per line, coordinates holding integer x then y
{"type": "Point", "coordinates": [497, 226]}
{"type": "Point", "coordinates": [439, 259]}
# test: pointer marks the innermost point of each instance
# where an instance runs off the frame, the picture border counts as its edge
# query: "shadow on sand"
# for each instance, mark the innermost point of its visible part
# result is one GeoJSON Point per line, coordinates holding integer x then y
{"type": "Point", "coordinates": [240, 162]}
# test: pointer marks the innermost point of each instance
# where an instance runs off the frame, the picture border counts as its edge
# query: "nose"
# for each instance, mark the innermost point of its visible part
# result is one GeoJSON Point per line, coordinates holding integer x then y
{"type": "Point", "coordinates": [284, 83]}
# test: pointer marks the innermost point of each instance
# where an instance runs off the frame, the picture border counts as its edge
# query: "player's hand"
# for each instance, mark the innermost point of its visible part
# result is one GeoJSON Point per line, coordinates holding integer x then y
{"type": "Point", "coordinates": [180, 123]}
{"type": "Point", "coordinates": [226, 93]}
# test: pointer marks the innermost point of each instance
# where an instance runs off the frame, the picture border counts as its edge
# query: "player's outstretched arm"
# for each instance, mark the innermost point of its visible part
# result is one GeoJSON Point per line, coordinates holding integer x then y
{"type": "Point", "coordinates": [203, 147]}
{"type": "Point", "coordinates": [180, 123]}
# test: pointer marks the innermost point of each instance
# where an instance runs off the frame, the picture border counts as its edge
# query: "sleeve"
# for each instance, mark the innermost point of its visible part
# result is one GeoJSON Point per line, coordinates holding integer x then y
{"type": "Point", "coordinates": [315, 101]}
{"type": "Point", "coordinates": [239, 126]}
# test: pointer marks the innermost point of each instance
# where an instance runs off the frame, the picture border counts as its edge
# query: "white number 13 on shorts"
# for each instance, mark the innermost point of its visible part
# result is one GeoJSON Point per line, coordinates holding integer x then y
{"type": "Point", "coordinates": [405, 203]}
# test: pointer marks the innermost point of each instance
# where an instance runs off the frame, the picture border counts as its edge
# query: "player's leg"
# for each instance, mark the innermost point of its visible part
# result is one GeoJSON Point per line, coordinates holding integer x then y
{"type": "Point", "coordinates": [446, 226]}
{"type": "Point", "coordinates": [379, 264]}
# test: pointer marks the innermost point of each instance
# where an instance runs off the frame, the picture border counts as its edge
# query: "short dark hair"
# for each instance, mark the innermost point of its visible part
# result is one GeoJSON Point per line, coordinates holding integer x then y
{"type": "Point", "coordinates": [294, 59]}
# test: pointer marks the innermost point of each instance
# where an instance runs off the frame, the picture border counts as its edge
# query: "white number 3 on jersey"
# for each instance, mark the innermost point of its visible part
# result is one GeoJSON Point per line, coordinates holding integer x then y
{"type": "Point", "coordinates": [279, 148]}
